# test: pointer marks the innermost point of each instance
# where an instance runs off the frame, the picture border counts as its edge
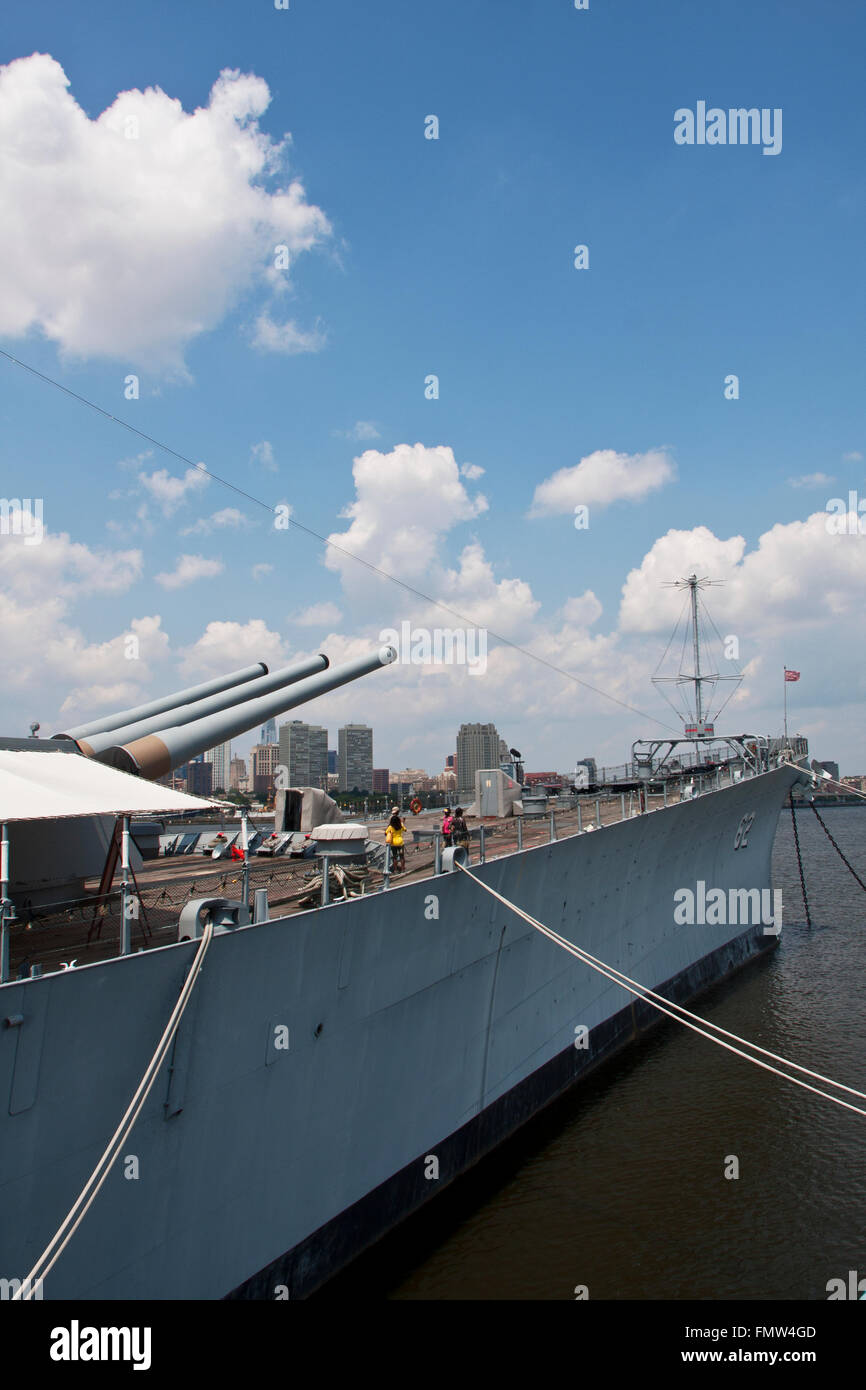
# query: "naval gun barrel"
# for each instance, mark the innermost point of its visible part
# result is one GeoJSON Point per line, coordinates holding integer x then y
{"type": "Point", "coordinates": [156, 754]}
{"type": "Point", "coordinates": [199, 709]}
{"type": "Point", "coordinates": [180, 697]}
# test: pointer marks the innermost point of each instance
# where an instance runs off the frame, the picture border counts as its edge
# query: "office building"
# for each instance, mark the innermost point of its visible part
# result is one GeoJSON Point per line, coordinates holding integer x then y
{"type": "Point", "coordinates": [220, 760]}
{"type": "Point", "coordinates": [477, 747]}
{"type": "Point", "coordinates": [355, 757]}
{"type": "Point", "coordinates": [380, 780]}
{"type": "Point", "coordinates": [303, 751]}
{"type": "Point", "coordinates": [237, 774]}
{"type": "Point", "coordinates": [268, 732]}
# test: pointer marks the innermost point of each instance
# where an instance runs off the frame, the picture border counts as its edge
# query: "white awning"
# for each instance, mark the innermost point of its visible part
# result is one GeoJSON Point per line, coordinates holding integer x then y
{"type": "Point", "coordinates": [42, 785]}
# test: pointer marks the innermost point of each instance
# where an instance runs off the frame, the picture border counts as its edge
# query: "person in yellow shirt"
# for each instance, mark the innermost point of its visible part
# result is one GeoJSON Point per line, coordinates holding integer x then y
{"type": "Point", "coordinates": [394, 837]}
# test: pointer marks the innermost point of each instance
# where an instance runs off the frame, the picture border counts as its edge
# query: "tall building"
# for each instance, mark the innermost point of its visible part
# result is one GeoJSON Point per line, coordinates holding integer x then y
{"type": "Point", "coordinates": [237, 774]}
{"type": "Point", "coordinates": [220, 760]}
{"type": "Point", "coordinates": [332, 762]}
{"type": "Point", "coordinates": [199, 778]}
{"type": "Point", "coordinates": [355, 757]}
{"type": "Point", "coordinates": [264, 758]}
{"type": "Point", "coordinates": [477, 747]}
{"type": "Point", "coordinates": [268, 732]}
{"type": "Point", "coordinates": [380, 780]}
{"type": "Point", "coordinates": [303, 751]}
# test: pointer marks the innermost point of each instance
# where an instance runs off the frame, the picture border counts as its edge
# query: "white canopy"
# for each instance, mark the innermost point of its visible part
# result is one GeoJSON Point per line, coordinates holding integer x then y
{"type": "Point", "coordinates": [41, 785]}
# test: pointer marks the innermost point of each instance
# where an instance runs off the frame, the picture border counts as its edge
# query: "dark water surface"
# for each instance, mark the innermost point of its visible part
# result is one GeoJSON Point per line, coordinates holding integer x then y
{"type": "Point", "coordinates": [621, 1186]}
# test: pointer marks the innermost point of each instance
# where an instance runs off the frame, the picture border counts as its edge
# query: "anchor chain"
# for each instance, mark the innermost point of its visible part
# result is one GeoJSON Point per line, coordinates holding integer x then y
{"type": "Point", "coordinates": [836, 847]}
{"type": "Point", "coordinates": [799, 859]}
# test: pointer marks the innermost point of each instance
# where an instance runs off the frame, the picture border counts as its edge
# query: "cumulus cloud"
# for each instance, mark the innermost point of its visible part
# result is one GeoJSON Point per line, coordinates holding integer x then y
{"type": "Point", "coordinates": [601, 478]}
{"type": "Point", "coordinates": [811, 480]}
{"type": "Point", "coordinates": [156, 220]}
{"type": "Point", "coordinates": [797, 576]}
{"type": "Point", "coordinates": [263, 455]}
{"type": "Point", "coordinates": [188, 569]}
{"type": "Point", "coordinates": [227, 518]}
{"type": "Point", "coordinates": [361, 430]}
{"type": "Point", "coordinates": [169, 491]}
{"type": "Point", "coordinates": [286, 337]}
{"type": "Point", "coordinates": [405, 502]}
{"type": "Point", "coordinates": [225, 645]}
{"type": "Point", "coordinates": [471, 471]}
{"type": "Point", "coordinates": [318, 615]}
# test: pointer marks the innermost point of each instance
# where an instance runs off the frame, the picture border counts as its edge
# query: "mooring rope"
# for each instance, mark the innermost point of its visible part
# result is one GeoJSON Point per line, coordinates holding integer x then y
{"type": "Point", "coordinates": [682, 1015]}
{"type": "Point", "coordinates": [115, 1144]}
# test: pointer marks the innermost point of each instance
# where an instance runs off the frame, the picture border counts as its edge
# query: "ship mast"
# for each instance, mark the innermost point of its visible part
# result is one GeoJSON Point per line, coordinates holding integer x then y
{"type": "Point", "coordinates": [693, 583]}
{"type": "Point", "coordinates": [696, 723]}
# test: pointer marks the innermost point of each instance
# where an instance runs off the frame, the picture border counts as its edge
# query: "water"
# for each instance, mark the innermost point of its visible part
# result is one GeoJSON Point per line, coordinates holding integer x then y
{"type": "Point", "coordinates": [621, 1187]}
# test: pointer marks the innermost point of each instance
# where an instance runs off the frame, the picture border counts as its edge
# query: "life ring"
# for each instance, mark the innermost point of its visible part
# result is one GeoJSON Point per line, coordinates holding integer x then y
{"type": "Point", "coordinates": [415, 806]}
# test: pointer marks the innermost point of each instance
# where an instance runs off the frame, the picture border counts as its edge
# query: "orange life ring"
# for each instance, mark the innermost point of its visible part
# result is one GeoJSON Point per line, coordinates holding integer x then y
{"type": "Point", "coordinates": [415, 806]}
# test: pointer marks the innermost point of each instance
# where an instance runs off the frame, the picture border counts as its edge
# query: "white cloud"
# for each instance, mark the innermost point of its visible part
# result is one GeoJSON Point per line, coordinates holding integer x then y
{"type": "Point", "coordinates": [225, 645]}
{"type": "Point", "coordinates": [582, 612]}
{"type": "Point", "coordinates": [811, 480]}
{"type": "Point", "coordinates": [601, 478]}
{"type": "Point", "coordinates": [155, 218]}
{"type": "Point", "coordinates": [362, 430]}
{"type": "Point", "coordinates": [405, 502]}
{"type": "Point", "coordinates": [286, 337]}
{"type": "Point", "coordinates": [228, 518]}
{"type": "Point", "coordinates": [261, 571]}
{"type": "Point", "coordinates": [169, 491]}
{"type": "Point", "coordinates": [189, 568]}
{"type": "Point", "coordinates": [263, 455]}
{"type": "Point", "coordinates": [318, 615]}
{"type": "Point", "coordinates": [854, 456]}
{"type": "Point", "coordinates": [471, 471]}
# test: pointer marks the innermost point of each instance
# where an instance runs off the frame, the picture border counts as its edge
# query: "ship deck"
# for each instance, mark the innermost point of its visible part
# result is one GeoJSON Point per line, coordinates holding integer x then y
{"type": "Point", "coordinates": [87, 930]}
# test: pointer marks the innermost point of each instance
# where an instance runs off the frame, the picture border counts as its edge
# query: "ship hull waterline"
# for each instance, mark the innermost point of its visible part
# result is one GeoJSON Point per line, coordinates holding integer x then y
{"type": "Point", "coordinates": [326, 1057]}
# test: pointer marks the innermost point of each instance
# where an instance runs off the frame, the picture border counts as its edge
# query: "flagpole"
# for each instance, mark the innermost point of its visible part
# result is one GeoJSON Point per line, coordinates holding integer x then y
{"type": "Point", "coordinates": [785, 684]}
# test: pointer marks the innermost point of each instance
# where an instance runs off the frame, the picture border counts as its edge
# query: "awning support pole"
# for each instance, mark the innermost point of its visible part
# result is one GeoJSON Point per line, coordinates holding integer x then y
{"type": "Point", "coordinates": [125, 903]}
{"type": "Point", "coordinates": [4, 903]}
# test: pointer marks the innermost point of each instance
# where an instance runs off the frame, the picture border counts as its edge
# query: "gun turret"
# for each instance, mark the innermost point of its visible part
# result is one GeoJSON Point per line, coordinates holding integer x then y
{"type": "Point", "coordinates": [199, 709]}
{"type": "Point", "coordinates": [121, 718]}
{"type": "Point", "coordinates": [156, 754]}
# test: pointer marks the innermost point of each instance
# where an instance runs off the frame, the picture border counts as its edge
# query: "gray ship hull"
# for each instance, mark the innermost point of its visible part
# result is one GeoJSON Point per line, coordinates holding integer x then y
{"type": "Point", "coordinates": [426, 1022]}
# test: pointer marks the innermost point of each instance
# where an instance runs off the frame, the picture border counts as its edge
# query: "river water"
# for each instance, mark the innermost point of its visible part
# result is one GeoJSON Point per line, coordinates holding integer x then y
{"type": "Point", "coordinates": [621, 1187]}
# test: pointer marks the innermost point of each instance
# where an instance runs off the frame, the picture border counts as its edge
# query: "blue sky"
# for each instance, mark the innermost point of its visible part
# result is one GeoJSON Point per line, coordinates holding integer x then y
{"type": "Point", "coordinates": [455, 257]}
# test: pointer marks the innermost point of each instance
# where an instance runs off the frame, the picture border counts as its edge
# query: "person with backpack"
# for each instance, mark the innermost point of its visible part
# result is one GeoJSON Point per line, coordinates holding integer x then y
{"type": "Point", "coordinates": [394, 838]}
{"type": "Point", "coordinates": [460, 830]}
{"type": "Point", "coordinates": [447, 827]}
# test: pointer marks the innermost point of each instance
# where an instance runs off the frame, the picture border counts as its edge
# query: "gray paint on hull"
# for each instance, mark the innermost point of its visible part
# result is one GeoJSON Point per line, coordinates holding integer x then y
{"type": "Point", "coordinates": [396, 1041]}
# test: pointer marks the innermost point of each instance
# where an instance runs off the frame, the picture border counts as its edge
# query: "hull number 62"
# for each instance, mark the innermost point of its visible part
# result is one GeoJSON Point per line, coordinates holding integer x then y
{"type": "Point", "coordinates": [742, 835]}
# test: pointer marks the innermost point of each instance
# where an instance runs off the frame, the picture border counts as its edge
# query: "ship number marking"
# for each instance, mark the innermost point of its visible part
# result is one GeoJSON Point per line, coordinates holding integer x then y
{"type": "Point", "coordinates": [742, 835]}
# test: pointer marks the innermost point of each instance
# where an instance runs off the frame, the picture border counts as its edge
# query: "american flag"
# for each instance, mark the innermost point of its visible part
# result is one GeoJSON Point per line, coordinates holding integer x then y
{"type": "Point", "coordinates": [791, 675]}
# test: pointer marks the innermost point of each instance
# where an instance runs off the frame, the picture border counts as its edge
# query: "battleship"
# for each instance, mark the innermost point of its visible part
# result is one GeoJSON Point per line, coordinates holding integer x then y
{"type": "Point", "coordinates": [339, 1060]}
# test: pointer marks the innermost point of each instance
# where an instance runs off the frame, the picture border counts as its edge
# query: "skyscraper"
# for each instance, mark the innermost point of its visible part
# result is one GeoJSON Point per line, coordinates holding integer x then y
{"type": "Point", "coordinates": [268, 732]}
{"type": "Point", "coordinates": [355, 757]}
{"type": "Point", "coordinates": [477, 747]}
{"type": "Point", "coordinates": [304, 753]}
{"type": "Point", "coordinates": [220, 760]}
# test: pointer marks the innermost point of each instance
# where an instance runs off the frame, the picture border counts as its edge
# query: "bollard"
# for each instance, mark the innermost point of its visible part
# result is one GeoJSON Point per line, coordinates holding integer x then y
{"type": "Point", "coordinates": [622, 805]}
{"type": "Point", "coordinates": [520, 832]}
{"type": "Point", "coordinates": [261, 908]}
{"type": "Point", "coordinates": [386, 872]}
{"type": "Point", "coordinates": [665, 792]}
{"type": "Point", "coordinates": [437, 853]}
{"type": "Point", "coordinates": [481, 844]}
{"type": "Point", "coordinates": [579, 819]}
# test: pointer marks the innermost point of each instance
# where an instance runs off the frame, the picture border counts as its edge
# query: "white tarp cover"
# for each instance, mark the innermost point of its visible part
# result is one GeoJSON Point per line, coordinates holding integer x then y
{"type": "Point", "coordinates": [42, 786]}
